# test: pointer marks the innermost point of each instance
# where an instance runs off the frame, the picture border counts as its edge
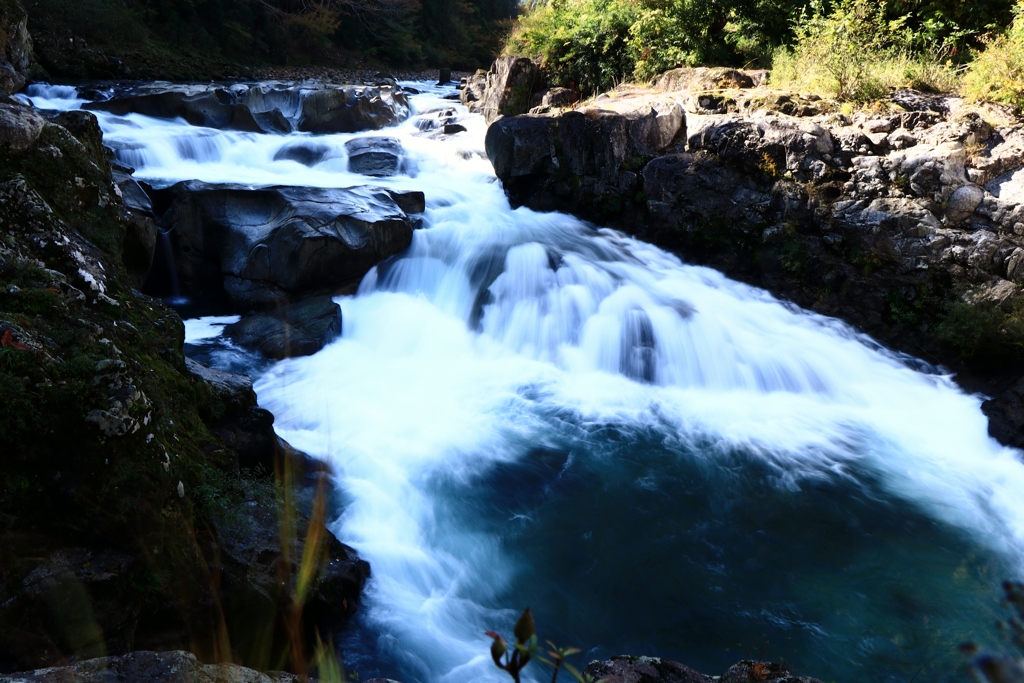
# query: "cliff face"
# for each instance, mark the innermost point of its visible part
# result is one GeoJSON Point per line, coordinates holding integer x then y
{"type": "Point", "coordinates": [16, 59]}
{"type": "Point", "coordinates": [907, 222]}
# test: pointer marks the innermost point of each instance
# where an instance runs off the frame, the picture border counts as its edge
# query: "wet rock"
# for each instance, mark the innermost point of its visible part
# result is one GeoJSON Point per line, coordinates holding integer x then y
{"type": "Point", "coordinates": [299, 329]}
{"type": "Point", "coordinates": [375, 156]}
{"type": "Point", "coordinates": [259, 248]}
{"type": "Point", "coordinates": [963, 202]}
{"type": "Point", "coordinates": [307, 153]}
{"type": "Point", "coordinates": [265, 107]}
{"type": "Point", "coordinates": [150, 667]}
{"type": "Point", "coordinates": [246, 428]}
{"type": "Point", "coordinates": [409, 202]}
{"type": "Point", "coordinates": [473, 90]}
{"type": "Point", "coordinates": [453, 128]}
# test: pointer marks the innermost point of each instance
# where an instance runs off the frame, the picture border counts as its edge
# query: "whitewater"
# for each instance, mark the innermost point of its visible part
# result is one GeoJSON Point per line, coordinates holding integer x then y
{"type": "Point", "coordinates": [526, 409]}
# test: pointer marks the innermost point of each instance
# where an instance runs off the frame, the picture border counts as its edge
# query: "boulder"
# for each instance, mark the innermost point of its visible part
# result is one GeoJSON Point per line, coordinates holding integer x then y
{"type": "Point", "coordinates": [259, 555]}
{"type": "Point", "coordinates": [20, 127]}
{"type": "Point", "coordinates": [510, 86]}
{"type": "Point", "coordinates": [472, 91]}
{"type": "Point", "coordinates": [299, 329]}
{"type": "Point", "coordinates": [963, 202]}
{"type": "Point", "coordinates": [265, 107]}
{"type": "Point", "coordinates": [150, 667]}
{"type": "Point", "coordinates": [141, 235]}
{"type": "Point", "coordinates": [306, 152]}
{"type": "Point", "coordinates": [259, 248]}
{"type": "Point", "coordinates": [704, 78]}
{"type": "Point", "coordinates": [627, 669]}
{"type": "Point", "coordinates": [375, 156]}
{"type": "Point", "coordinates": [15, 47]}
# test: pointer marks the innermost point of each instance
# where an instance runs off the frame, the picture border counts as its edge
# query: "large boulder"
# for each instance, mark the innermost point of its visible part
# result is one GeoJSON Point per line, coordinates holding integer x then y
{"type": "Point", "coordinates": [15, 46]}
{"type": "Point", "coordinates": [375, 156]}
{"type": "Point", "coordinates": [508, 89]}
{"type": "Point", "coordinates": [258, 248]}
{"type": "Point", "coordinates": [270, 107]}
{"type": "Point", "coordinates": [20, 127]}
{"type": "Point", "coordinates": [582, 160]}
{"type": "Point", "coordinates": [299, 329]}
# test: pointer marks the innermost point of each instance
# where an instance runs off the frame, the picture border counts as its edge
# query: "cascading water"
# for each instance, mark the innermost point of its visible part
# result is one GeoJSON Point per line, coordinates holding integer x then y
{"type": "Point", "coordinates": [526, 410]}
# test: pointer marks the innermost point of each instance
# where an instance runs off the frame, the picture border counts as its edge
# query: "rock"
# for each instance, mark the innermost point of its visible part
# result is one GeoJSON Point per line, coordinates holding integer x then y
{"type": "Point", "coordinates": [877, 126]}
{"type": "Point", "coordinates": [259, 248]}
{"type": "Point", "coordinates": [453, 128]}
{"type": "Point", "coordinates": [258, 578]}
{"type": "Point", "coordinates": [444, 76]}
{"type": "Point", "coordinates": [307, 153]}
{"type": "Point", "coordinates": [539, 158]}
{"type": "Point", "coordinates": [510, 85]}
{"type": "Point", "coordinates": [748, 670]}
{"type": "Point", "coordinates": [299, 329]}
{"type": "Point", "coordinates": [150, 667]}
{"type": "Point", "coordinates": [472, 92]}
{"type": "Point", "coordinates": [901, 139]}
{"type": "Point", "coordinates": [409, 202]}
{"type": "Point", "coordinates": [15, 47]}
{"type": "Point", "coordinates": [20, 127]}
{"type": "Point", "coordinates": [375, 156]}
{"type": "Point", "coordinates": [85, 591]}
{"type": "Point", "coordinates": [245, 428]}
{"type": "Point", "coordinates": [558, 98]}
{"type": "Point", "coordinates": [351, 109]}
{"type": "Point", "coordinates": [963, 202]}
{"type": "Point", "coordinates": [265, 107]}
{"type": "Point", "coordinates": [626, 669]}
{"type": "Point", "coordinates": [704, 78]}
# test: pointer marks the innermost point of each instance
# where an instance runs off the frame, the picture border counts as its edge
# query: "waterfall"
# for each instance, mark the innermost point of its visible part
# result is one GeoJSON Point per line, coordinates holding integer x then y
{"type": "Point", "coordinates": [528, 409]}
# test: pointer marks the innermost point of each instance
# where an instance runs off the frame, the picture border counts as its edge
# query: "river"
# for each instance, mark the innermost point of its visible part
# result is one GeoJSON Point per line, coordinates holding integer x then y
{"type": "Point", "coordinates": [524, 409]}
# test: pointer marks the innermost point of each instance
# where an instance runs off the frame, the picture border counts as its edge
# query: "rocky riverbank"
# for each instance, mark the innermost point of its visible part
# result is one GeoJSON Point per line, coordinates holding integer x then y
{"type": "Point", "coordinates": [137, 505]}
{"type": "Point", "coordinates": [906, 220]}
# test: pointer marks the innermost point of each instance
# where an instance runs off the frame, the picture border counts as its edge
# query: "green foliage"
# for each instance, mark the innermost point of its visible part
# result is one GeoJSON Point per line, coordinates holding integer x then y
{"type": "Point", "coordinates": [857, 51]}
{"type": "Point", "coordinates": [997, 74]}
{"type": "Point", "coordinates": [580, 42]}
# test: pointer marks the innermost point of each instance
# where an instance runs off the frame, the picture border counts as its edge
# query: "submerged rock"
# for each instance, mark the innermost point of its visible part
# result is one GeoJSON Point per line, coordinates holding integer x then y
{"type": "Point", "coordinates": [628, 669]}
{"type": "Point", "coordinates": [299, 329]}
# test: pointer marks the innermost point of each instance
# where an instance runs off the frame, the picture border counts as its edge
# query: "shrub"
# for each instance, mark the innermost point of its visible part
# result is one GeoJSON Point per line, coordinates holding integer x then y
{"type": "Point", "coordinates": [579, 41]}
{"type": "Point", "coordinates": [997, 74]}
{"type": "Point", "coordinates": [856, 52]}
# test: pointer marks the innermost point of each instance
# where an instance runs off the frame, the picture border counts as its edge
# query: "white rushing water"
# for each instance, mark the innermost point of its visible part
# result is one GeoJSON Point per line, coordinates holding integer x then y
{"type": "Point", "coordinates": [501, 331]}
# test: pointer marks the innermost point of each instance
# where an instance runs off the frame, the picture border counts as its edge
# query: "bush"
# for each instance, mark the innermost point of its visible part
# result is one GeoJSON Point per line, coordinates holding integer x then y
{"type": "Point", "coordinates": [856, 52]}
{"type": "Point", "coordinates": [997, 74]}
{"type": "Point", "coordinates": [581, 42]}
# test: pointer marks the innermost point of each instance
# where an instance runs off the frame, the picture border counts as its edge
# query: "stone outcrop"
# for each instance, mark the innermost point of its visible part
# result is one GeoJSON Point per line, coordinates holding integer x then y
{"type": "Point", "coordinates": [271, 107]}
{"type": "Point", "coordinates": [258, 248]}
{"type": "Point", "coordinates": [506, 90]}
{"type": "Point", "coordinates": [15, 46]}
{"type": "Point", "coordinates": [627, 669]}
{"type": "Point", "coordinates": [909, 225]}
{"type": "Point", "coordinates": [150, 667]}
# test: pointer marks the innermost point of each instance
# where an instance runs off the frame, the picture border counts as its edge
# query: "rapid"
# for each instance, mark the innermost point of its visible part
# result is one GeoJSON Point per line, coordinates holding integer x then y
{"type": "Point", "coordinates": [526, 409]}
